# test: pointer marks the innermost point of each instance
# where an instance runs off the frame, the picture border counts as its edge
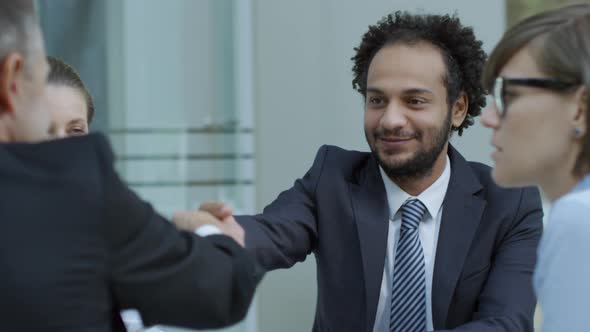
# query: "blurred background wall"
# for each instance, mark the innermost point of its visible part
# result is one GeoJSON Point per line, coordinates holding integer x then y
{"type": "Point", "coordinates": [230, 99]}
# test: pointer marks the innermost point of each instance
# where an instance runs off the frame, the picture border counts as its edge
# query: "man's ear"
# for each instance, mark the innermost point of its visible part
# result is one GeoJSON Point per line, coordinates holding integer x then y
{"type": "Point", "coordinates": [459, 110]}
{"type": "Point", "coordinates": [10, 73]}
{"type": "Point", "coordinates": [7, 125]}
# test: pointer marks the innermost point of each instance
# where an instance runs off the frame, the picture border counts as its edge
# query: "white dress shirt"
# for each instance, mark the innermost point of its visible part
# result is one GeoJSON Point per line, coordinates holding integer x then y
{"type": "Point", "coordinates": [207, 230]}
{"type": "Point", "coordinates": [428, 231]}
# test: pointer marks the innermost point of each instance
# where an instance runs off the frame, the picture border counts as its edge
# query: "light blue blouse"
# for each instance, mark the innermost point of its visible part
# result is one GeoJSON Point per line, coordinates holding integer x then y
{"type": "Point", "coordinates": [562, 276]}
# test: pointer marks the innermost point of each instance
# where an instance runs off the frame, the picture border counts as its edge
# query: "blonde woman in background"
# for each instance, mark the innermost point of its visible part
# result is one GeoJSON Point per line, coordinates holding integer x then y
{"type": "Point", "coordinates": [72, 109]}
{"type": "Point", "coordinates": [68, 100]}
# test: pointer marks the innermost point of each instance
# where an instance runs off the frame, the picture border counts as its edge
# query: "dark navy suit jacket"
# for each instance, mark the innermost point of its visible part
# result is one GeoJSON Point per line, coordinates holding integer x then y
{"type": "Point", "coordinates": [338, 211]}
{"type": "Point", "coordinates": [76, 246]}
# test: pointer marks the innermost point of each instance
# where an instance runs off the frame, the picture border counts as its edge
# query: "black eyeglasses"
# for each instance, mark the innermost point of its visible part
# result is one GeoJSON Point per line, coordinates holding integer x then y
{"type": "Point", "coordinates": [501, 83]}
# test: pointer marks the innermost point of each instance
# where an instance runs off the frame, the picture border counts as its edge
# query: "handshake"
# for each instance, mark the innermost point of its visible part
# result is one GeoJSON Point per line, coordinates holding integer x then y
{"type": "Point", "coordinates": [217, 214]}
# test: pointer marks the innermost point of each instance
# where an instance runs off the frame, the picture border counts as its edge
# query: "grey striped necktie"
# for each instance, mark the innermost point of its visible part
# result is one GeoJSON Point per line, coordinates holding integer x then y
{"type": "Point", "coordinates": [408, 294]}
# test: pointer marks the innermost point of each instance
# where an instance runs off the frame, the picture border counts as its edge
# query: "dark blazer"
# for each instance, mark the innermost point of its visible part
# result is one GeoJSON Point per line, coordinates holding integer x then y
{"type": "Point", "coordinates": [76, 245]}
{"type": "Point", "coordinates": [484, 259]}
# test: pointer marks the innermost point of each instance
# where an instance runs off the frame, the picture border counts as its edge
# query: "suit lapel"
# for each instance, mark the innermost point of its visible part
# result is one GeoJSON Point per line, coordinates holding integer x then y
{"type": "Point", "coordinates": [371, 211]}
{"type": "Point", "coordinates": [462, 212]}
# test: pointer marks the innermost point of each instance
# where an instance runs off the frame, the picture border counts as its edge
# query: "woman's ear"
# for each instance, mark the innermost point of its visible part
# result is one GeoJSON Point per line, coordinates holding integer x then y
{"type": "Point", "coordinates": [580, 113]}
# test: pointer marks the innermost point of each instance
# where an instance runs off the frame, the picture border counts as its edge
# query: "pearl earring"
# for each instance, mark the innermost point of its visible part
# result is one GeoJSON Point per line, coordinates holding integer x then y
{"type": "Point", "coordinates": [578, 132]}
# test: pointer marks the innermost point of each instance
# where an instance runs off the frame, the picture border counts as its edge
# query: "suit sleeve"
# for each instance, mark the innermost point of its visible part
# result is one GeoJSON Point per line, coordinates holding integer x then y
{"type": "Point", "coordinates": [286, 231]}
{"type": "Point", "coordinates": [507, 302]}
{"type": "Point", "coordinates": [172, 277]}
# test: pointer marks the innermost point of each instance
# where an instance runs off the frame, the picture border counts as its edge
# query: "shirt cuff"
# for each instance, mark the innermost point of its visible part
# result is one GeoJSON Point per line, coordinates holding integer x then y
{"type": "Point", "coordinates": [207, 230]}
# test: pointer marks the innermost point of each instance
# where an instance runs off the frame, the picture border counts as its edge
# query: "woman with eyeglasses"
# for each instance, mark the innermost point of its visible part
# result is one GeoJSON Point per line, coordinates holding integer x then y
{"type": "Point", "coordinates": [539, 76]}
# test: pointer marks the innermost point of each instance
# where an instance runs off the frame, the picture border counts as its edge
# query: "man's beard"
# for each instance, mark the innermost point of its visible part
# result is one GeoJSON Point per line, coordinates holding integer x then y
{"type": "Point", "coordinates": [422, 161]}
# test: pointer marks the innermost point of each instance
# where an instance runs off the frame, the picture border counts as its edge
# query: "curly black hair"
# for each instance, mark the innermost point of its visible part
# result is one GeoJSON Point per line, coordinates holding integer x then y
{"type": "Point", "coordinates": [462, 52]}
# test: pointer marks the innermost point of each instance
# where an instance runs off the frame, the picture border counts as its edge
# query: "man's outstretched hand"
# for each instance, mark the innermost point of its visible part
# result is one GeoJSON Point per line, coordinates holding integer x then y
{"type": "Point", "coordinates": [213, 213]}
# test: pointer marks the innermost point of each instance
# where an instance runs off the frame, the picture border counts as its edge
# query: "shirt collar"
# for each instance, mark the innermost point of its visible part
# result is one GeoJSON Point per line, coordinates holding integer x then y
{"type": "Point", "coordinates": [432, 197]}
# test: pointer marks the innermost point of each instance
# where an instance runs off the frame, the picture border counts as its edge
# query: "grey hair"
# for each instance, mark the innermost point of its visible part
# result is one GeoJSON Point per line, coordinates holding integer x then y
{"type": "Point", "coordinates": [18, 25]}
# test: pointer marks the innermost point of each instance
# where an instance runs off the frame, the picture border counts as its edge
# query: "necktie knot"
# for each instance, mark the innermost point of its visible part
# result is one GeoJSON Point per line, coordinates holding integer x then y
{"type": "Point", "coordinates": [412, 212]}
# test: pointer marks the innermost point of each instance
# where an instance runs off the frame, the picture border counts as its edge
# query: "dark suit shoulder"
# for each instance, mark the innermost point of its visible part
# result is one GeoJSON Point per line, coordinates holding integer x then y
{"type": "Point", "coordinates": [484, 174]}
{"type": "Point", "coordinates": [341, 154]}
{"type": "Point", "coordinates": [476, 178]}
{"type": "Point", "coordinates": [94, 146]}
{"type": "Point", "coordinates": [512, 205]}
{"type": "Point", "coordinates": [342, 162]}
{"type": "Point", "coordinates": [103, 147]}
{"type": "Point", "coordinates": [79, 161]}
